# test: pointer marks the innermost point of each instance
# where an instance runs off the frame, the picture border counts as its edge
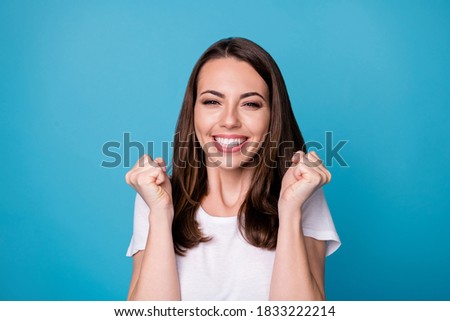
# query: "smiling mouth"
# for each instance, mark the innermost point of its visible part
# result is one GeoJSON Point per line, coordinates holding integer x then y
{"type": "Point", "coordinates": [229, 144]}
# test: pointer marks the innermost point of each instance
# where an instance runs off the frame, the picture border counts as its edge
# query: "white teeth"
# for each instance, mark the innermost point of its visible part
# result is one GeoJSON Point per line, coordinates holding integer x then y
{"type": "Point", "coordinates": [229, 142]}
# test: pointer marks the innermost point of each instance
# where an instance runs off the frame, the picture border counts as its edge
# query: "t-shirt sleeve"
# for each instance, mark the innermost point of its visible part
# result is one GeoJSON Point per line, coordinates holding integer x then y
{"type": "Point", "coordinates": [318, 223]}
{"type": "Point", "coordinates": [140, 226]}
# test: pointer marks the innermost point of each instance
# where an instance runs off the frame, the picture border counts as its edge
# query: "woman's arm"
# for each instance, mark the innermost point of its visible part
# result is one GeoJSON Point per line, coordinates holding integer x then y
{"type": "Point", "coordinates": [298, 272]}
{"type": "Point", "coordinates": [155, 275]}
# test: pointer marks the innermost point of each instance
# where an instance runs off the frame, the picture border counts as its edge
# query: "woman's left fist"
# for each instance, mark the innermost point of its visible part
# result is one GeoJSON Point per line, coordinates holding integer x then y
{"type": "Point", "coordinates": [306, 175]}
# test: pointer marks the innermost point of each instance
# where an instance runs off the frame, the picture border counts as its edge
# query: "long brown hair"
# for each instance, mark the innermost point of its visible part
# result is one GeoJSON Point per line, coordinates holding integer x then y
{"type": "Point", "coordinates": [258, 215]}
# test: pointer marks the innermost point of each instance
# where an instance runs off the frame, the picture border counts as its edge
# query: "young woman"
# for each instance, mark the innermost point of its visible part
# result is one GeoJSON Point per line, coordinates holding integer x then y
{"type": "Point", "coordinates": [243, 216]}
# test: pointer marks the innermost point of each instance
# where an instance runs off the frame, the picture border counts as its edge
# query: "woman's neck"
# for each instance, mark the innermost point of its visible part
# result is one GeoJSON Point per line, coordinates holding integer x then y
{"type": "Point", "coordinates": [226, 190]}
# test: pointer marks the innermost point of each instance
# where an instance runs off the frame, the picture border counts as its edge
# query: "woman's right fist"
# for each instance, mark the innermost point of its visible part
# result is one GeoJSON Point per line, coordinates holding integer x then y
{"type": "Point", "coordinates": [148, 177]}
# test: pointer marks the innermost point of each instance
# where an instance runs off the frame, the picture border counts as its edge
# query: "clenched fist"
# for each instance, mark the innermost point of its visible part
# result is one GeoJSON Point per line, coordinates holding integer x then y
{"type": "Point", "coordinates": [302, 179]}
{"type": "Point", "coordinates": [149, 178]}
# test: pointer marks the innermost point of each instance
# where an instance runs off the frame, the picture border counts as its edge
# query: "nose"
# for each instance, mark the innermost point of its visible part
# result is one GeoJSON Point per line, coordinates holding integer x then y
{"type": "Point", "coordinates": [230, 117]}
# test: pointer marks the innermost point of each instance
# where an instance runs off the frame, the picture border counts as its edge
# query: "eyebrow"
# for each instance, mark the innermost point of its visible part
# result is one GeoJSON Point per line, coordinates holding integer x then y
{"type": "Point", "coordinates": [245, 95]}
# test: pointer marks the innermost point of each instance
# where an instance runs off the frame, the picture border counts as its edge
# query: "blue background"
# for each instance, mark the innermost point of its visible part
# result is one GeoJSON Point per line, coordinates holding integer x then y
{"type": "Point", "coordinates": [77, 74]}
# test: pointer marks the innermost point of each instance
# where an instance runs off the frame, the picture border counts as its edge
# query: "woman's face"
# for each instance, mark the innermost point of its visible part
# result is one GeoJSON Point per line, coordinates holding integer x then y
{"type": "Point", "coordinates": [231, 113]}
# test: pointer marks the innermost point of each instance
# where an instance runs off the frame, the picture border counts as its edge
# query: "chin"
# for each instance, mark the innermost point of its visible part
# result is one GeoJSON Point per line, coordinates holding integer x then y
{"type": "Point", "coordinates": [232, 163]}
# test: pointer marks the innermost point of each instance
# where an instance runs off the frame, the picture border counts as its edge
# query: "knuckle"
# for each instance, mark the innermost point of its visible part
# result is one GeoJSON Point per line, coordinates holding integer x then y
{"type": "Point", "coordinates": [316, 178]}
{"type": "Point", "coordinates": [141, 162]}
{"type": "Point", "coordinates": [143, 159]}
{"type": "Point", "coordinates": [132, 177]}
{"type": "Point", "coordinates": [155, 170]}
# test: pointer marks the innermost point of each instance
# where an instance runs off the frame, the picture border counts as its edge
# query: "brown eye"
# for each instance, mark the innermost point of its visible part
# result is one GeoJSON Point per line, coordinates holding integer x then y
{"type": "Point", "coordinates": [210, 102]}
{"type": "Point", "coordinates": [253, 105]}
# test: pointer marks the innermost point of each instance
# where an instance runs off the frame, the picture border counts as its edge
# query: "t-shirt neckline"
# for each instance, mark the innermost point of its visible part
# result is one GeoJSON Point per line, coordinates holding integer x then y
{"type": "Point", "coordinates": [215, 218]}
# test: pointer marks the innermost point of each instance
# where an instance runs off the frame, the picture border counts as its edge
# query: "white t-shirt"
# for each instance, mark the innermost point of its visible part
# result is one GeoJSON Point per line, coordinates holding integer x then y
{"type": "Point", "coordinates": [227, 267]}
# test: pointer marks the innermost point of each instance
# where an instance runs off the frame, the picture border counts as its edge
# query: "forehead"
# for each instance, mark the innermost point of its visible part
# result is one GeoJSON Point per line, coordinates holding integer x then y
{"type": "Point", "coordinates": [231, 74]}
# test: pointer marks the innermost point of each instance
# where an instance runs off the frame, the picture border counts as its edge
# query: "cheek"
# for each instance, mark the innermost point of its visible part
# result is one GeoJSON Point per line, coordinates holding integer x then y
{"type": "Point", "coordinates": [267, 123]}
{"type": "Point", "coordinates": [196, 126]}
{"type": "Point", "coordinates": [200, 125]}
{"type": "Point", "coordinates": [262, 123]}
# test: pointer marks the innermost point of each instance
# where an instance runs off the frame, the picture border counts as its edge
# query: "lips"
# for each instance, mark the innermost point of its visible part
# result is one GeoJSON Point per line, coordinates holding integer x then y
{"type": "Point", "coordinates": [229, 143]}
